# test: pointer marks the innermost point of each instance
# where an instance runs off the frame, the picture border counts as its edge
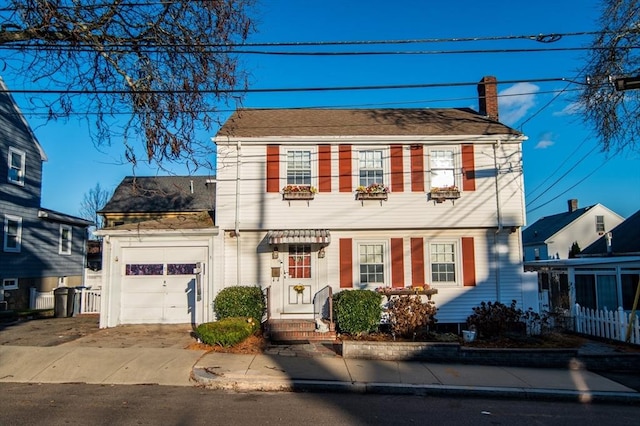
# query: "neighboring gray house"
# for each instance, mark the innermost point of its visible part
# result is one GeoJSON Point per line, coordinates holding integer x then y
{"type": "Point", "coordinates": [551, 237]}
{"type": "Point", "coordinates": [40, 248]}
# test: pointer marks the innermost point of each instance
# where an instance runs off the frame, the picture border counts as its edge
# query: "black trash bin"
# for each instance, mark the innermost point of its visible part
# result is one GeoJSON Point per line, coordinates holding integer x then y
{"type": "Point", "coordinates": [60, 302]}
{"type": "Point", "coordinates": [71, 301]}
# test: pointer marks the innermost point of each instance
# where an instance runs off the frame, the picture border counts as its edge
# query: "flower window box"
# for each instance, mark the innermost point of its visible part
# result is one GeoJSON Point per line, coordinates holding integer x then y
{"type": "Point", "coordinates": [375, 191]}
{"type": "Point", "coordinates": [298, 192]}
{"type": "Point", "coordinates": [441, 194]}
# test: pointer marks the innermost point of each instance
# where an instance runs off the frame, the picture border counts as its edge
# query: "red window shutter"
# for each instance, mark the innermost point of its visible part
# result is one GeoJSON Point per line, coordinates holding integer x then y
{"type": "Point", "coordinates": [397, 262]}
{"type": "Point", "coordinates": [468, 262]}
{"type": "Point", "coordinates": [273, 168]}
{"type": "Point", "coordinates": [346, 263]}
{"type": "Point", "coordinates": [468, 168]}
{"type": "Point", "coordinates": [417, 168]}
{"type": "Point", "coordinates": [324, 168]}
{"type": "Point", "coordinates": [344, 160]}
{"type": "Point", "coordinates": [417, 262]}
{"type": "Point", "coordinates": [397, 172]}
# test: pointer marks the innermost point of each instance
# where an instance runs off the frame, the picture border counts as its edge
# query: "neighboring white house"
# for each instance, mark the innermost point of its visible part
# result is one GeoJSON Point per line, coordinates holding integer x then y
{"type": "Point", "coordinates": [446, 210]}
{"type": "Point", "coordinates": [551, 237]}
{"type": "Point", "coordinates": [606, 274]}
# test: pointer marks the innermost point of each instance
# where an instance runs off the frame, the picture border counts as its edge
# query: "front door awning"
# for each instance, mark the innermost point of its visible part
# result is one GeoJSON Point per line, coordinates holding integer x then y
{"type": "Point", "coordinates": [299, 236]}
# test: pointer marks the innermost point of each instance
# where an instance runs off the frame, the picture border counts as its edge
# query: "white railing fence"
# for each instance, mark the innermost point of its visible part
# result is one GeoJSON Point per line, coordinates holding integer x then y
{"type": "Point", "coordinates": [606, 324]}
{"type": "Point", "coordinates": [89, 300]}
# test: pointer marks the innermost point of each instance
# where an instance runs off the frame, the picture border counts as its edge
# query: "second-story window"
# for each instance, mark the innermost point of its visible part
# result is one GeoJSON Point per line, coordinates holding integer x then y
{"type": "Point", "coordinates": [16, 162]}
{"type": "Point", "coordinates": [442, 168]}
{"type": "Point", "coordinates": [299, 168]}
{"type": "Point", "coordinates": [599, 223]}
{"type": "Point", "coordinates": [64, 246]}
{"type": "Point", "coordinates": [371, 168]}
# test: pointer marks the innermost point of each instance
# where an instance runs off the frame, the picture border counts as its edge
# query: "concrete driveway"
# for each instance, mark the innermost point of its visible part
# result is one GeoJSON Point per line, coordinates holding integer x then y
{"type": "Point", "coordinates": [83, 331]}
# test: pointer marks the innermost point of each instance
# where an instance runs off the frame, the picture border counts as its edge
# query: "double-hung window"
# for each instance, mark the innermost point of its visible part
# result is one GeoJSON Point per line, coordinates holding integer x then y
{"type": "Point", "coordinates": [443, 263]}
{"type": "Point", "coordinates": [64, 246]}
{"type": "Point", "coordinates": [442, 167]}
{"type": "Point", "coordinates": [12, 234]}
{"type": "Point", "coordinates": [299, 167]}
{"type": "Point", "coordinates": [371, 261]}
{"type": "Point", "coordinates": [16, 162]}
{"type": "Point", "coordinates": [599, 223]}
{"type": "Point", "coordinates": [371, 166]}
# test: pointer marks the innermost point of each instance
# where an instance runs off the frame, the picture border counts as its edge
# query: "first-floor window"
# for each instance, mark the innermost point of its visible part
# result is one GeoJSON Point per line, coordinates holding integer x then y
{"type": "Point", "coordinates": [443, 263]}
{"type": "Point", "coordinates": [596, 291]}
{"type": "Point", "coordinates": [64, 246]}
{"type": "Point", "coordinates": [12, 234]}
{"type": "Point", "coordinates": [10, 284]}
{"type": "Point", "coordinates": [299, 261]}
{"type": "Point", "coordinates": [371, 261]}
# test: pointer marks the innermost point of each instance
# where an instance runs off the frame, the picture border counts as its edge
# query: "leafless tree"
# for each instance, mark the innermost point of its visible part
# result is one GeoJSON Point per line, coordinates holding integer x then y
{"type": "Point", "coordinates": [614, 115]}
{"type": "Point", "coordinates": [166, 66]}
{"type": "Point", "coordinates": [92, 203]}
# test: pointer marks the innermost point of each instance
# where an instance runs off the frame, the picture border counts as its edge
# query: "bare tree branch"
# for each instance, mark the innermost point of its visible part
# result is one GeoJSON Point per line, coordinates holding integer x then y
{"type": "Point", "coordinates": [615, 116]}
{"type": "Point", "coordinates": [169, 61]}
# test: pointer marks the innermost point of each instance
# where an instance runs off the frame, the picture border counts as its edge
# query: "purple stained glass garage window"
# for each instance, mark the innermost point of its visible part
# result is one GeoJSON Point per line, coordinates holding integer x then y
{"type": "Point", "coordinates": [144, 269]}
{"type": "Point", "coordinates": [180, 268]}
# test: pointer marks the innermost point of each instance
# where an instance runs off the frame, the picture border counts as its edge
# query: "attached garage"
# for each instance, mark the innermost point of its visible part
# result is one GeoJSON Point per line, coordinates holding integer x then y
{"type": "Point", "coordinates": [156, 276]}
{"type": "Point", "coordinates": [160, 285]}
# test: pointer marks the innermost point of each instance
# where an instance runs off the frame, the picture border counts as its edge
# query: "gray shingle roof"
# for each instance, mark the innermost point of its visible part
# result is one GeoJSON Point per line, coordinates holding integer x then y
{"type": "Point", "coordinates": [542, 229]}
{"type": "Point", "coordinates": [625, 239]}
{"type": "Point", "coordinates": [361, 122]}
{"type": "Point", "coordinates": [157, 194]}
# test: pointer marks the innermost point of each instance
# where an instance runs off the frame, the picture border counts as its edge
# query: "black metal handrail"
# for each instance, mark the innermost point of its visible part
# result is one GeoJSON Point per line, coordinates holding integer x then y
{"type": "Point", "coordinates": [267, 301]}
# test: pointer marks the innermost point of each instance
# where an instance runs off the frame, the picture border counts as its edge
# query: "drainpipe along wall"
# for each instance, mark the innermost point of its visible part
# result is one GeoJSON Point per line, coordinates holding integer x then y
{"type": "Point", "coordinates": [496, 236]}
{"type": "Point", "coordinates": [237, 219]}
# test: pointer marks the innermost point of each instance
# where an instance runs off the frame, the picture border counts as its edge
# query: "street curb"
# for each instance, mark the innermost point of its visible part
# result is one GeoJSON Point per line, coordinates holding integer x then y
{"type": "Point", "coordinates": [269, 384]}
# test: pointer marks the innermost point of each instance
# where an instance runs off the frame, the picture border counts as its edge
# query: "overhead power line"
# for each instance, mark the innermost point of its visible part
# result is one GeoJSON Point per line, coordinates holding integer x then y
{"type": "Point", "coordinates": [288, 89]}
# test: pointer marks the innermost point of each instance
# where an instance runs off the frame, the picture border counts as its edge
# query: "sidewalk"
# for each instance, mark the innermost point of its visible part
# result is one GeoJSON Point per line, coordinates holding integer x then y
{"type": "Point", "coordinates": [153, 354]}
{"type": "Point", "coordinates": [335, 374]}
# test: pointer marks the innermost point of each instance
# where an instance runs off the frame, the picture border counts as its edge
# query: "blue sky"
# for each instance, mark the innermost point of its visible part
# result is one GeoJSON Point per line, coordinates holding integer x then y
{"type": "Point", "coordinates": [561, 159]}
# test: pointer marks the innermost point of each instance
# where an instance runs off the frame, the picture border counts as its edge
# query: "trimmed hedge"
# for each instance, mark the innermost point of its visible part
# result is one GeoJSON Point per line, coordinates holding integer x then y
{"type": "Point", "coordinates": [227, 332]}
{"type": "Point", "coordinates": [357, 311]}
{"type": "Point", "coordinates": [239, 301]}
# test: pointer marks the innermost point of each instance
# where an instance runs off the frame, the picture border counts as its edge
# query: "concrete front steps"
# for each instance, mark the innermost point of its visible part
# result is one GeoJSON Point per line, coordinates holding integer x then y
{"type": "Point", "coordinates": [297, 331]}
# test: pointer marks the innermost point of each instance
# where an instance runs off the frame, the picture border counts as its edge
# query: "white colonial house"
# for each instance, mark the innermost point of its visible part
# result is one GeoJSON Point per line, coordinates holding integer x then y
{"type": "Point", "coordinates": [311, 199]}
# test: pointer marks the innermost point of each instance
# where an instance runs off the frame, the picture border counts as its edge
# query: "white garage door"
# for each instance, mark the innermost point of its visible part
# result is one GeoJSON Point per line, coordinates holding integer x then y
{"type": "Point", "coordinates": [159, 285]}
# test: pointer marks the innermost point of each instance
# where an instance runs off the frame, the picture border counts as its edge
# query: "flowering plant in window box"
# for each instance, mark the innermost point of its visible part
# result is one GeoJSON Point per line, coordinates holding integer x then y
{"type": "Point", "coordinates": [298, 192]}
{"type": "Point", "coordinates": [375, 191]}
{"type": "Point", "coordinates": [445, 193]}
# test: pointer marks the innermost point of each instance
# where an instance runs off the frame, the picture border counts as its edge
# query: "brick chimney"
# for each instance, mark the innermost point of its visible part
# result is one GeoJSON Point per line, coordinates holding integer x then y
{"type": "Point", "coordinates": [573, 205]}
{"type": "Point", "coordinates": [488, 97]}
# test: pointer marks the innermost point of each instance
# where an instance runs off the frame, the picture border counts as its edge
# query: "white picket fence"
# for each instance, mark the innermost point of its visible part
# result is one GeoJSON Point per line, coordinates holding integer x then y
{"type": "Point", "coordinates": [606, 324]}
{"type": "Point", "coordinates": [89, 300]}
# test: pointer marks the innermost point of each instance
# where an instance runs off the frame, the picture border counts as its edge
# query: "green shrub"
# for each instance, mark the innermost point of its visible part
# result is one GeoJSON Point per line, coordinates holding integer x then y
{"type": "Point", "coordinates": [409, 314]}
{"type": "Point", "coordinates": [495, 319]}
{"type": "Point", "coordinates": [357, 311]}
{"type": "Point", "coordinates": [239, 301]}
{"type": "Point", "coordinates": [227, 332]}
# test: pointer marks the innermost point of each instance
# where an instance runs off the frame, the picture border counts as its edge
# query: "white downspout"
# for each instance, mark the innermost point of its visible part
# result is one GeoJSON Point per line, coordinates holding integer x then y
{"type": "Point", "coordinates": [499, 213]}
{"type": "Point", "coordinates": [237, 220]}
